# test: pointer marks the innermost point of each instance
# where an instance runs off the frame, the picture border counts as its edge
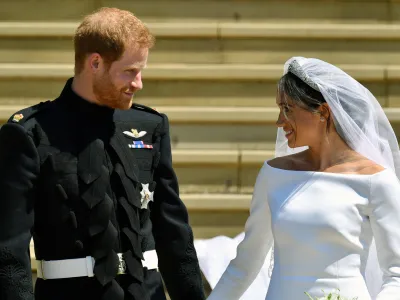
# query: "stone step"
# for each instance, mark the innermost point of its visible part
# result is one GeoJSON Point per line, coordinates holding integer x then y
{"type": "Point", "coordinates": [266, 72]}
{"type": "Point", "coordinates": [180, 80]}
{"type": "Point", "coordinates": [222, 129]}
{"type": "Point", "coordinates": [220, 29]}
{"type": "Point", "coordinates": [165, 103]}
{"type": "Point", "coordinates": [218, 42]}
{"type": "Point", "coordinates": [278, 10]}
{"type": "Point", "coordinates": [214, 51]}
{"type": "Point", "coordinates": [218, 171]}
{"type": "Point", "coordinates": [208, 115]}
{"type": "Point", "coordinates": [216, 202]}
{"type": "Point", "coordinates": [156, 93]}
{"type": "Point", "coordinates": [231, 95]}
{"type": "Point", "coordinates": [251, 131]}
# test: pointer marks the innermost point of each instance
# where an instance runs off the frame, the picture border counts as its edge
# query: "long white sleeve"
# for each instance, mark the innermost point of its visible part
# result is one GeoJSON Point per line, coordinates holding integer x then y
{"type": "Point", "coordinates": [385, 222]}
{"type": "Point", "coordinates": [252, 251]}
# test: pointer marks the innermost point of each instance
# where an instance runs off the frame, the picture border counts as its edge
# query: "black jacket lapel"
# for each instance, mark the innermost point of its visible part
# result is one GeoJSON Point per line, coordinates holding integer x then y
{"type": "Point", "coordinates": [118, 143]}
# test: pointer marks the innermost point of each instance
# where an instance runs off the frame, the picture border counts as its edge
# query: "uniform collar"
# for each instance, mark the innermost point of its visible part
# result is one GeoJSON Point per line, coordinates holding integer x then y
{"type": "Point", "coordinates": [78, 104]}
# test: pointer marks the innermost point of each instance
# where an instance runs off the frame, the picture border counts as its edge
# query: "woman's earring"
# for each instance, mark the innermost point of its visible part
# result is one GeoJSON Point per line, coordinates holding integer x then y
{"type": "Point", "coordinates": [322, 119]}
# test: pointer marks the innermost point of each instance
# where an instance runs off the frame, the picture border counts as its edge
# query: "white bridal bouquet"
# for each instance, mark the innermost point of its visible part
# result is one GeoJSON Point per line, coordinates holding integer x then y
{"type": "Point", "coordinates": [330, 296]}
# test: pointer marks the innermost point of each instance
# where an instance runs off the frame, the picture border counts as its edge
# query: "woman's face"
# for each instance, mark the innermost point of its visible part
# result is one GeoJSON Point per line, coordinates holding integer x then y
{"type": "Point", "coordinates": [302, 127]}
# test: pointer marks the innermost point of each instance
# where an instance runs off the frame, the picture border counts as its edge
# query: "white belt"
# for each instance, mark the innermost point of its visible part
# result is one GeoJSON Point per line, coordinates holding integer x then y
{"type": "Point", "coordinates": [83, 267]}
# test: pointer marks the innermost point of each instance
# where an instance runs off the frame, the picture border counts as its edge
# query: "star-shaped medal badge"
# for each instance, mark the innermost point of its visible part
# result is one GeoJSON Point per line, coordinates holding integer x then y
{"type": "Point", "coordinates": [147, 196]}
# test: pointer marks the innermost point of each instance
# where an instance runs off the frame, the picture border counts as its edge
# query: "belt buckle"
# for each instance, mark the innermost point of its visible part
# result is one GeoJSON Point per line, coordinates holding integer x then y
{"type": "Point", "coordinates": [121, 264]}
{"type": "Point", "coordinates": [42, 269]}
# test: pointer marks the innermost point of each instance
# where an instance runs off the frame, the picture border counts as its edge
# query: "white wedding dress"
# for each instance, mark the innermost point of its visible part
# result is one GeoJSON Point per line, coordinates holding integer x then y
{"type": "Point", "coordinates": [321, 225]}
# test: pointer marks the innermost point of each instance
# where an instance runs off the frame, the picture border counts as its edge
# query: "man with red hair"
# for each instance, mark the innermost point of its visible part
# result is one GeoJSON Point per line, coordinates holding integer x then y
{"type": "Point", "coordinates": [90, 176]}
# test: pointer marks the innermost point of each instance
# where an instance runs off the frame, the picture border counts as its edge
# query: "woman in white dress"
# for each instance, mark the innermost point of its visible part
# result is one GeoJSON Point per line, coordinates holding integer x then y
{"type": "Point", "coordinates": [330, 195]}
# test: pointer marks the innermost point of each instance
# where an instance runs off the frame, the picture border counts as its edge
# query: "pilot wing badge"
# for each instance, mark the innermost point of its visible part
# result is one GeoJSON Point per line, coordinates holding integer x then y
{"type": "Point", "coordinates": [135, 133]}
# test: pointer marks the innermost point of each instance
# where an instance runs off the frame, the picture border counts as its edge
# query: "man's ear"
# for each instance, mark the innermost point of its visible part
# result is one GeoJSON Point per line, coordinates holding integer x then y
{"type": "Point", "coordinates": [95, 62]}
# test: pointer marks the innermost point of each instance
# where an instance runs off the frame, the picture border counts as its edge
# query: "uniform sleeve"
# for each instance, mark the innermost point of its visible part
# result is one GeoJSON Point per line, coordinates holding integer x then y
{"type": "Point", "coordinates": [252, 251]}
{"type": "Point", "coordinates": [178, 262]}
{"type": "Point", "coordinates": [385, 223]}
{"type": "Point", "coordinates": [19, 168]}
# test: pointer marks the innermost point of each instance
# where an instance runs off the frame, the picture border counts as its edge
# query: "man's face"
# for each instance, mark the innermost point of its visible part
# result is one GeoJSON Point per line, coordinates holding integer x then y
{"type": "Point", "coordinates": [116, 86]}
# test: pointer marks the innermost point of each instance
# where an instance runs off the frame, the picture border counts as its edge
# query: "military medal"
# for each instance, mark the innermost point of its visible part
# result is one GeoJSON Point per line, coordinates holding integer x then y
{"type": "Point", "coordinates": [140, 144]}
{"type": "Point", "coordinates": [135, 134]}
{"type": "Point", "coordinates": [18, 117]}
{"type": "Point", "coordinates": [147, 196]}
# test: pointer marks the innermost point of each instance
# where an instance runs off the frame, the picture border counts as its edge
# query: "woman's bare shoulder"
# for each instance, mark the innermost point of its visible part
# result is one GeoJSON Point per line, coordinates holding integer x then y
{"type": "Point", "coordinates": [369, 168]}
{"type": "Point", "coordinates": [358, 165]}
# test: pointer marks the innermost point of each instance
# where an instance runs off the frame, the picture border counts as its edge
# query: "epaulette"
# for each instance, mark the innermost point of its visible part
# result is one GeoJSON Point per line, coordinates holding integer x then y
{"type": "Point", "coordinates": [27, 113]}
{"type": "Point", "coordinates": [145, 108]}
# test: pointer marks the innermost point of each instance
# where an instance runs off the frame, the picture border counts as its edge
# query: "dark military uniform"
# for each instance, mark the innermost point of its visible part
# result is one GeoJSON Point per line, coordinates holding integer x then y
{"type": "Point", "coordinates": [73, 176]}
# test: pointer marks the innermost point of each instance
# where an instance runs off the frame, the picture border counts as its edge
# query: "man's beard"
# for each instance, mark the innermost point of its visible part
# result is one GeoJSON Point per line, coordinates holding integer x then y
{"type": "Point", "coordinates": [108, 94]}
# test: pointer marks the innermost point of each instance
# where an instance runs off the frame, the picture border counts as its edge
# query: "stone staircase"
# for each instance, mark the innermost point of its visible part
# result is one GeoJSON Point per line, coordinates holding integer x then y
{"type": "Point", "coordinates": [213, 71]}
